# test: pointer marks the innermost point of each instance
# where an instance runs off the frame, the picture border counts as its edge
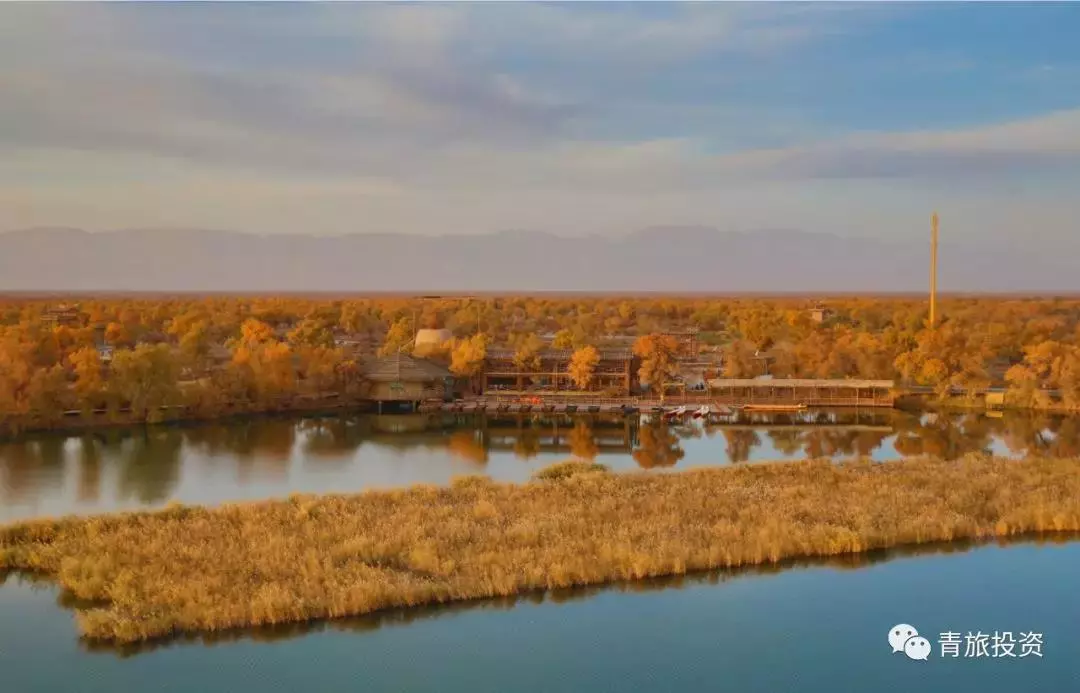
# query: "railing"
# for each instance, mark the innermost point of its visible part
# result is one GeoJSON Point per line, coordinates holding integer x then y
{"type": "Point", "coordinates": [589, 400]}
{"type": "Point", "coordinates": [812, 400]}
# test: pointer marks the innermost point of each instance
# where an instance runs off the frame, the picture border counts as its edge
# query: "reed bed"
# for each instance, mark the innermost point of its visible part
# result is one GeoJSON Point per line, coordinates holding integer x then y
{"type": "Point", "coordinates": [142, 576]}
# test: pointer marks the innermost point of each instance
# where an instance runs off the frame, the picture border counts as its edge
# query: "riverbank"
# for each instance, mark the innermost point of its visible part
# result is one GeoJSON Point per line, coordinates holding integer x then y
{"type": "Point", "coordinates": [582, 403]}
{"type": "Point", "coordinates": [191, 569]}
{"type": "Point", "coordinates": [13, 428]}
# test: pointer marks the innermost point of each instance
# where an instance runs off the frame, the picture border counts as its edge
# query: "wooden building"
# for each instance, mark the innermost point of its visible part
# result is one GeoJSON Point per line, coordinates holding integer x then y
{"type": "Point", "coordinates": [688, 341]}
{"type": "Point", "coordinates": [615, 373]}
{"type": "Point", "coordinates": [62, 315]}
{"type": "Point", "coordinates": [405, 381]}
{"type": "Point", "coordinates": [811, 393]}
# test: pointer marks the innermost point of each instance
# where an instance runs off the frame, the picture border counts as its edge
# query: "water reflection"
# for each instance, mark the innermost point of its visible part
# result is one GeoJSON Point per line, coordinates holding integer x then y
{"type": "Point", "coordinates": [404, 617]}
{"type": "Point", "coordinates": [659, 446]}
{"type": "Point", "coordinates": [257, 458]}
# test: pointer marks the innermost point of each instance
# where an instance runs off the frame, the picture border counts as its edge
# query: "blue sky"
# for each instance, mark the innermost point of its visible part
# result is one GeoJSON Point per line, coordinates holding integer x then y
{"type": "Point", "coordinates": [854, 118]}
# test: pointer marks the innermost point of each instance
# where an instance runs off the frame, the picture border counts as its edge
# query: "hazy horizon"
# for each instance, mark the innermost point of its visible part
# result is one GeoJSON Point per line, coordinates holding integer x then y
{"type": "Point", "coordinates": [580, 120]}
{"type": "Point", "coordinates": [667, 259]}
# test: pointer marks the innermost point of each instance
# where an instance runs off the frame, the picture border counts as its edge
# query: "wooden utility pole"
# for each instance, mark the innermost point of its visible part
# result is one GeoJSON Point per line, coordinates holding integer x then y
{"type": "Point", "coordinates": [933, 268]}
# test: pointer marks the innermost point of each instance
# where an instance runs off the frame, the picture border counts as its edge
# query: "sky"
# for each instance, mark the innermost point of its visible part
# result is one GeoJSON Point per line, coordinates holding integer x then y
{"type": "Point", "coordinates": [575, 118]}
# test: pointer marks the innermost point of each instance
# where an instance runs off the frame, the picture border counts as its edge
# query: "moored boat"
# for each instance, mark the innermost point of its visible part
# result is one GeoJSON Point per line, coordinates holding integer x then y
{"type": "Point", "coordinates": [676, 413]}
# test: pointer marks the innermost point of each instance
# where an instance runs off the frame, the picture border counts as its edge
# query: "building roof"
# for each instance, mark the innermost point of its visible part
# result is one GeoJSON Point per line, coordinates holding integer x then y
{"type": "Point", "coordinates": [562, 354]}
{"type": "Point", "coordinates": [402, 367]}
{"type": "Point", "coordinates": [433, 337]}
{"type": "Point", "coordinates": [797, 382]}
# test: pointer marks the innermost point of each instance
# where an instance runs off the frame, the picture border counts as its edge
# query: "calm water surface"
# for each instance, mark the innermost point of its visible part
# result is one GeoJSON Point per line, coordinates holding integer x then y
{"type": "Point", "coordinates": [42, 475]}
{"type": "Point", "coordinates": [811, 629]}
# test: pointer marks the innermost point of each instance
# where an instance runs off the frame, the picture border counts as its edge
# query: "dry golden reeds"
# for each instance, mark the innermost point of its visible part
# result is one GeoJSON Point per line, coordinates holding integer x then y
{"type": "Point", "coordinates": [192, 569]}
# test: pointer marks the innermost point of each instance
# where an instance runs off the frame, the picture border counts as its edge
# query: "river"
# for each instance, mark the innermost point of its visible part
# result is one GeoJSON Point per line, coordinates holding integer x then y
{"type": "Point", "coordinates": [122, 469]}
{"type": "Point", "coordinates": [813, 628]}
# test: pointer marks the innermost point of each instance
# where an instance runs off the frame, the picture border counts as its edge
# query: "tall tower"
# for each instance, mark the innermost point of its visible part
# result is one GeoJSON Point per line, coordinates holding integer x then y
{"type": "Point", "coordinates": [933, 267]}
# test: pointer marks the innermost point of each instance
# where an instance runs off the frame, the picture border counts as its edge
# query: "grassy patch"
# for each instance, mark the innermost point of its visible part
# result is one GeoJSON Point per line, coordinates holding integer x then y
{"type": "Point", "coordinates": [191, 569]}
{"type": "Point", "coordinates": [569, 468]}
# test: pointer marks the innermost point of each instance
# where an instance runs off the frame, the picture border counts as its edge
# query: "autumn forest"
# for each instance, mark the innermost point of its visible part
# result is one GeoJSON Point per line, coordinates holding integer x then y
{"type": "Point", "coordinates": [150, 358]}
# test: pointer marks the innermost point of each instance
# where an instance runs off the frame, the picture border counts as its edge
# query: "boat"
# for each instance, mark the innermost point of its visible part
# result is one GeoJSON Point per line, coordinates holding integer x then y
{"type": "Point", "coordinates": [676, 413]}
{"type": "Point", "coordinates": [774, 407]}
{"type": "Point", "coordinates": [702, 411]}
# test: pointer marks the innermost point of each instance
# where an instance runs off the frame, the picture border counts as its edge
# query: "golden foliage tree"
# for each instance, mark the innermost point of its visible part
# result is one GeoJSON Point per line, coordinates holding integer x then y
{"type": "Point", "coordinates": [145, 377]}
{"type": "Point", "coordinates": [583, 365]}
{"type": "Point", "coordinates": [89, 385]}
{"type": "Point", "coordinates": [740, 360]}
{"type": "Point", "coordinates": [564, 339]}
{"type": "Point", "coordinates": [658, 366]}
{"type": "Point", "coordinates": [398, 338]}
{"type": "Point", "coordinates": [527, 353]}
{"type": "Point", "coordinates": [467, 356]}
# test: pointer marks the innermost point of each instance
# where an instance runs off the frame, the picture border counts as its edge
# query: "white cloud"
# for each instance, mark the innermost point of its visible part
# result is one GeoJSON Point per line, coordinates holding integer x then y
{"type": "Point", "coordinates": [335, 118]}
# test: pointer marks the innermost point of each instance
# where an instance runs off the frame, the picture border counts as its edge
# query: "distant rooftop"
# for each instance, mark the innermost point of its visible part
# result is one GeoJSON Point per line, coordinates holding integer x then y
{"type": "Point", "coordinates": [402, 367]}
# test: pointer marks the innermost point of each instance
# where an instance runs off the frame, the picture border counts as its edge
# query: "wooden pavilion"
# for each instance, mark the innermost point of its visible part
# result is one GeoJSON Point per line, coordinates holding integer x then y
{"type": "Point", "coordinates": [405, 381]}
{"type": "Point", "coordinates": [614, 373]}
{"type": "Point", "coordinates": [812, 393]}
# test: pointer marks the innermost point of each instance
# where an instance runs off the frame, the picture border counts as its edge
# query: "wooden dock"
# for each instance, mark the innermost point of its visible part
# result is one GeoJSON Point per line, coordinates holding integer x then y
{"type": "Point", "coordinates": [777, 395]}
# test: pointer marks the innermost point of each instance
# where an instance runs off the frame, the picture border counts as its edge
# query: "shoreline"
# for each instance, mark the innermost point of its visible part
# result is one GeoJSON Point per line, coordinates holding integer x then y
{"type": "Point", "coordinates": [187, 570]}
{"type": "Point", "coordinates": [80, 424]}
{"type": "Point", "coordinates": [397, 616]}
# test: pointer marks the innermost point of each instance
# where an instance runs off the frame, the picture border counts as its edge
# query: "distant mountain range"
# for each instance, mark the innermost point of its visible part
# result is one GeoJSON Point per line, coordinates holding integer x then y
{"type": "Point", "coordinates": [669, 259]}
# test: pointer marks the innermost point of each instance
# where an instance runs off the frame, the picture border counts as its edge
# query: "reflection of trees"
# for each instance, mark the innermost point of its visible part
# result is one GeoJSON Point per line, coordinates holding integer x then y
{"type": "Point", "coordinates": [786, 442]}
{"type": "Point", "coordinates": [89, 469]}
{"type": "Point", "coordinates": [150, 464]}
{"type": "Point", "coordinates": [866, 442]}
{"type": "Point", "coordinates": [1023, 433]}
{"type": "Point", "coordinates": [740, 443]}
{"type": "Point", "coordinates": [259, 442]}
{"type": "Point", "coordinates": [658, 446]}
{"type": "Point", "coordinates": [28, 466]}
{"type": "Point", "coordinates": [840, 442]}
{"type": "Point", "coordinates": [940, 435]}
{"type": "Point", "coordinates": [582, 442]}
{"type": "Point", "coordinates": [688, 431]}
{"type": "Point", "coordinates": [332, 437]}
{"type": "Point", "coordinates": [527, 445]}
{"type": "Point", "coordinates": [1067, 437]}
{"type": "Point", "coordinates": [977, 431]}
{"type": "Point", "coordinates": [274, 439]}
{"type": "Point", "coordinates": [467, 445]}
